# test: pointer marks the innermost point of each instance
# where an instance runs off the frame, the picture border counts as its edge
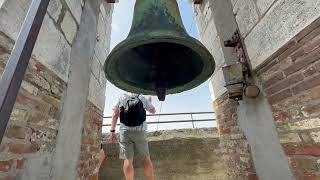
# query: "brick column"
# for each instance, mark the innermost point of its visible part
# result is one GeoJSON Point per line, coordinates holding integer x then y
{"type": "Point", "coordinates": [291, 82]}
{"type": "Point", "coordinates": [91, 139]}
{"type": "Point", "coordinates": [233, 143]}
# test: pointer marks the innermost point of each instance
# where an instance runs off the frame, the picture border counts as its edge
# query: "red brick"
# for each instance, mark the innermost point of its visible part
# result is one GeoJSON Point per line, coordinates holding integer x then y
{"type": "Point", "coordinates": [94, 148]}
{"type": "Point", "coordinates": [274, 79]}
{"type": "Point", "coordinates": [224, 131]}
{"type": "Point", "coordinates": [93, 177]}
{"type": "Point", "coordinates": [52, 100]}
{"type": "Point", "coordinates": [20, 163]}
{"type": "Point", "coordinates": [38, 119]}
{"type": "Point", "coordinates": [302, 62]}
{"type": "Point", "coordinates": [311, 110]}
{"type": "Point", "coordinates": [315, 94]}
{"type": "Point", "coordinates": [40, 67]}
{"type": "Point", "coordinates": [268, 70]}
{"type": "Point", "coordinates": [33, 103]}
{"type": "Point", "coordinates": [310, 71]}
{"type": "Point", "coordinates": [8, 178]}
{"type": "Point", "coordinates": [314, 33]}
{"type": "Point", "coordinates": [17, 132]}
{"type": "Point", "coordinates": [300, 175]}
{"type": "Point", "coordinates": [252, 176]}
{"type": "Point", "coordinates": [302, 149]}
{"type": "Point", "coordinates": [5, 166]}
{"type": "Point", "coordinates": [303, 163]}
{"type": "Point", "coordinates": [290, 47]}
{"type": "Point", "coordinates": [297, 54]}
{"type": "Point", "coordinates": [23, 148]}
{"type": "Point", "coordinates": [284, 84]}
{"type": "Point", "coordinates": [306, 85]}
{"type": "Point", "coordinates": [312, 46]}
{"type": "Point", "coordinates": [87, 140]}
{"type": "Point", "coordinates": [281, 116]}
{"type": "Point", "coordinates": [280, 96]}
{"type": "Point", "coordinates": [93, 162]}
{"type": "Point", "coordinates": [84, 156]}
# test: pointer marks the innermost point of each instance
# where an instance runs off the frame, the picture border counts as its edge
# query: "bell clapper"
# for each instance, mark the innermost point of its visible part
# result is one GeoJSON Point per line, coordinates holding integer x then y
{"type": "Point", "coordinates": [161, 90]}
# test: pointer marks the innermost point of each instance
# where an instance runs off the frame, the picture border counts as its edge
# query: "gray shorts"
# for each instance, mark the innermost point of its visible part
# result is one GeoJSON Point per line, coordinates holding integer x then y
{"type": "Point", "coordinates": [133, 144]}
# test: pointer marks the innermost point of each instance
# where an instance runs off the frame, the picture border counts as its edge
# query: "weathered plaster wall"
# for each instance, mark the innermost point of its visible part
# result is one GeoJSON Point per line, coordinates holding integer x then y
{"type": "Point", "coordinates": [40, 116]}
{"type": "Point", "coordinates": [176, 155]}
{"type": "Point", "coordinates": [267, 25]}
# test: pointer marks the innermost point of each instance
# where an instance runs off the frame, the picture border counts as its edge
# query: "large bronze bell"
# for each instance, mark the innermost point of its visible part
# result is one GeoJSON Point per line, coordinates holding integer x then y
{"type": "Point", "coordinates": [158, 57]}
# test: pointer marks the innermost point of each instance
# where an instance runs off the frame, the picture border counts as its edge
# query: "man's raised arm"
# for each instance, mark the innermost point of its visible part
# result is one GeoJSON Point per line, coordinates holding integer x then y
{"type": "Point", "coordinates": [115, 116]}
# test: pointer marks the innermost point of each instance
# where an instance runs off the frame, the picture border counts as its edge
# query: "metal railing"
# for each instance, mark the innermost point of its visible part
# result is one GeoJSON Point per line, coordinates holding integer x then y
{"type": "Point", "coordinates": [192, 119]}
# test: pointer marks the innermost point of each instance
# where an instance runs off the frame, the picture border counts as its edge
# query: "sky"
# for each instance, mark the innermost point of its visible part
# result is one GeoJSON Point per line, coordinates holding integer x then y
{"type": "Point", "coordinates": [195, 100]}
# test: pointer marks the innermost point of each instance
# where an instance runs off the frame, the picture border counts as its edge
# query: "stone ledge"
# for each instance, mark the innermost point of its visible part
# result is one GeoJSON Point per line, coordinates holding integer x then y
{"type": "Point", "coordinates": [163, 135]}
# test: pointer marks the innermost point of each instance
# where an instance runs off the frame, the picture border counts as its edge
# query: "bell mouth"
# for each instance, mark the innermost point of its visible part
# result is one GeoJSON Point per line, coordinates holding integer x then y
{"type": "Point", "coordinates": [168, 65]}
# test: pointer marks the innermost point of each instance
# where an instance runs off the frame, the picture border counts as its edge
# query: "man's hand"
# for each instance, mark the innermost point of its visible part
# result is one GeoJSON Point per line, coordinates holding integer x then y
{"type": "Point", "coordinates": [113, 137]}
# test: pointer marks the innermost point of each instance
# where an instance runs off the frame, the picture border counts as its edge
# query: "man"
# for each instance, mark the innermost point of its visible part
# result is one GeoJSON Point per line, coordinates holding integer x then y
{"type": "Point", "coordinates": [133, 138]}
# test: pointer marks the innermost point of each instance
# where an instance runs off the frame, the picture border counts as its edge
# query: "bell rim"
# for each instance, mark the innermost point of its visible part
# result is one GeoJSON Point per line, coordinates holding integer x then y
{"type": "Point", "coordinates": [190, 42]}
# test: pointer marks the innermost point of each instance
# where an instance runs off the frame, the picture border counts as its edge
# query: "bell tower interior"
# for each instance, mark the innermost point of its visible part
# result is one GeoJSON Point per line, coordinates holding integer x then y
{"type": "Point", "coordinates": [265, 90]}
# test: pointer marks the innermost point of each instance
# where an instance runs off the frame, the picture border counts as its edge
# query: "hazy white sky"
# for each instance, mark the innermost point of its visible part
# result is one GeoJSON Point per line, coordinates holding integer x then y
{"type": "Point", "coordinates": [195, 100]}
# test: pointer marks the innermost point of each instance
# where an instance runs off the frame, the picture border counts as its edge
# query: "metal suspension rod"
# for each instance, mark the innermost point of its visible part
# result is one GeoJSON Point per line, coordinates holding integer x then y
{"type": "Point", "coordinates": [18, 62]}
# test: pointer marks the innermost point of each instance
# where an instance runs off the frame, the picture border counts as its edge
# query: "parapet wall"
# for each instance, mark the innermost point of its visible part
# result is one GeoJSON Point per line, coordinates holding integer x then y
{"type": "Point", "coordinates": [177, 155]}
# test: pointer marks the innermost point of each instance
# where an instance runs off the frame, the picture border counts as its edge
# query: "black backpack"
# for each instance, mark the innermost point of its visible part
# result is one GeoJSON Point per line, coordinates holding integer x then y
{"type": "Point", "coordinates": [134, 114]}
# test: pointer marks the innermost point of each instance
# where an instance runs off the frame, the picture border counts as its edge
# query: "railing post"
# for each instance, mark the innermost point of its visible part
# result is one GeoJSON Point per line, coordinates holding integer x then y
{"type": "Point", "coordinates": [192, 120]}
{"type": "Point", "coordinates": [18, 62]}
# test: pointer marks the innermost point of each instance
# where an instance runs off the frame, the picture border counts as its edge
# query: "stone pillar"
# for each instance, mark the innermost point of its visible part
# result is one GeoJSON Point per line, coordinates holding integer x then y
{"type": "Point", "coordinates": [216, 24]}
{"type": "Point", "coordinates": [92, 128]}
{"type": "Point", "coordinates": [282, 42]}
{"type": "Point", "coordinates": [281, 39]}
{"type": "Point", "coordinates": [248, 136]}
{"type": "Point", "coordinates": [62, 94]}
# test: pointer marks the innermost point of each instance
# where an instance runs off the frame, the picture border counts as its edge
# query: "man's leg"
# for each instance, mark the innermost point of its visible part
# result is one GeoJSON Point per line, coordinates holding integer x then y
{"type": "Point", "coordinates": [128, 169]}
{"type": "Point", "coordinates": [141, 148]}
{"type": "Point", "coordinates": [148, 168]}
{"type": "Point", "coordinates": [127, 153]}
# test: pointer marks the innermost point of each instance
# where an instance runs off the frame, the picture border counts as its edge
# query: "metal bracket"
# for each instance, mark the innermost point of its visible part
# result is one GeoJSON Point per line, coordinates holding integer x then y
{"type": "Point", "coordinates": [248, 88]}
{"type": "Point", "coordinates": [236, 43]}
